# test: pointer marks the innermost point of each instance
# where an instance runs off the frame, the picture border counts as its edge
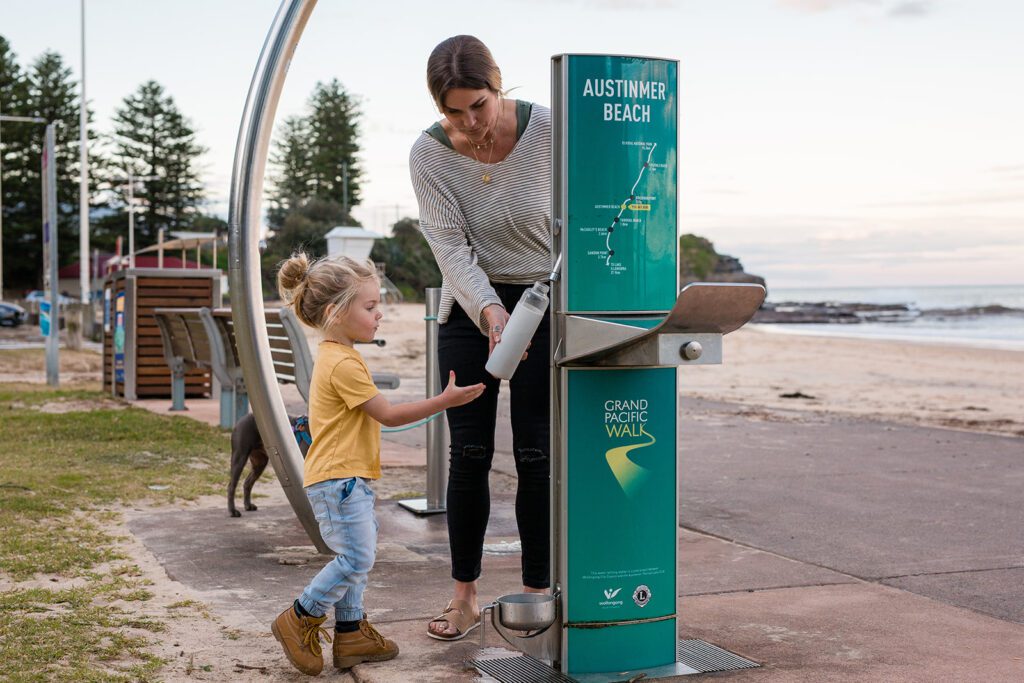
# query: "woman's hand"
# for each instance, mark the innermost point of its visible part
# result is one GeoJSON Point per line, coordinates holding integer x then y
{"type": "Point", "coordinates": [496, 317]}
{"type": "Point", "coordinates": [457, 396]}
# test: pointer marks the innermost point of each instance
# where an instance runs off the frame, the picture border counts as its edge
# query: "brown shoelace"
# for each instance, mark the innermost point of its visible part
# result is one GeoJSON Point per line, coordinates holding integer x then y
{"type": "Point", "coordinates": [311, 636]}
{"type": "Point", "coordinates": [370, 632]}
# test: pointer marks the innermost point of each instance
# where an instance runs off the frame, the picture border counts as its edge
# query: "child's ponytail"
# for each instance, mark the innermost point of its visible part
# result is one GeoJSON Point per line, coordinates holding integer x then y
{"type": "Point", "coordinates": [310, 286]}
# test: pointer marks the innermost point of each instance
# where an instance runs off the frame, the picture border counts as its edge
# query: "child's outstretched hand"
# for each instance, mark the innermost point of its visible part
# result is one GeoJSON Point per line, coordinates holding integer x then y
{"type": "Point", "coordinates": [460, 396]}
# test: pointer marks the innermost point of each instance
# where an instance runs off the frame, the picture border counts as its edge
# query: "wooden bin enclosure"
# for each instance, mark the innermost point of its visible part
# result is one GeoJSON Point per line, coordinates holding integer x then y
{"type": "Point", "coordinates": [136, 368]}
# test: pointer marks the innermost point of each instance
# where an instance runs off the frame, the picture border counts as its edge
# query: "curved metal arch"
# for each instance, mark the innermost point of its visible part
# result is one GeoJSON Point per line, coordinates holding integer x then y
{"type": "Point", "coordinates": [244, 258]}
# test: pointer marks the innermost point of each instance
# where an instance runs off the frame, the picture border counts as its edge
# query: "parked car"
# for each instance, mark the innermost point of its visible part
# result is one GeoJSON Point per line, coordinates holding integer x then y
{"type": "Point", "coordinates": [12, 315]}
{"type": "Point", "coordinates": [40, 295]}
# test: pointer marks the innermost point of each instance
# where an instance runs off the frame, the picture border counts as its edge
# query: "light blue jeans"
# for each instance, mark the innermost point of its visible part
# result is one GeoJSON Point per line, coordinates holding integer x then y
{"type": "Point", "coordinates": [344, 510]}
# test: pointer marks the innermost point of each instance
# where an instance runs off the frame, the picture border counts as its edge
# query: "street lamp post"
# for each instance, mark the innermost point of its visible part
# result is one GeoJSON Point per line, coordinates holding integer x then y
{"type": "Point", "coordinates": [84, 279]}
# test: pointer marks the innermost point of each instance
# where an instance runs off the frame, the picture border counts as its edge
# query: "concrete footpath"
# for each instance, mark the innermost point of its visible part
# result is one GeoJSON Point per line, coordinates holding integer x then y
{"type": "Point", "coordinates": [823, 548]}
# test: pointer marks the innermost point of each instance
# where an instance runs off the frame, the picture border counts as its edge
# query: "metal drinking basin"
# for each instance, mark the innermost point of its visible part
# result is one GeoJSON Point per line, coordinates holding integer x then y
{"type": "Point", "coordinates": [526, 611]}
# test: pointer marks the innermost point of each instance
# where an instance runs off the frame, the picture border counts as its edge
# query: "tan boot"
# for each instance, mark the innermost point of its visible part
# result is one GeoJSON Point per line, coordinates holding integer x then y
{"type": "Point", "coordinates": [300, 638]}
{"type": "Point", "coordinates": [364, 645]}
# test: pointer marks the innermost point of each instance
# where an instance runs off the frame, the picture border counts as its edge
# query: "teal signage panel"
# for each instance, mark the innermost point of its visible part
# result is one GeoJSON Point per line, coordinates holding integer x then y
{"type": "Point", "coordinates": [621, 516]}
{"type": "Point", "coordinates": [621, 229]}
{"type": "Point", "coordinates": [622, 648]}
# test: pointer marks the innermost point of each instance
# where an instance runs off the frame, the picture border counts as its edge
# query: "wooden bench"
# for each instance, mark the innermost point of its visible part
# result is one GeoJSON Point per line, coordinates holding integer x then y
{"type": "Point", "coordinates": [204, 337]}
{"type": "Point", "coordinates": [186, 347]}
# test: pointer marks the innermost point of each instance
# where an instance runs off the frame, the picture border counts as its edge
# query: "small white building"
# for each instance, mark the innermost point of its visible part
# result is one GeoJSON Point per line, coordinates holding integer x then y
{"type": "Point", "coordinates": [353, 242]}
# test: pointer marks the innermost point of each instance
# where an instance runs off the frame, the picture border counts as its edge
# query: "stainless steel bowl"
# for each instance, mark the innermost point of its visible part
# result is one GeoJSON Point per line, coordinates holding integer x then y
{"type": "Point", "coordinates": [526, 611]}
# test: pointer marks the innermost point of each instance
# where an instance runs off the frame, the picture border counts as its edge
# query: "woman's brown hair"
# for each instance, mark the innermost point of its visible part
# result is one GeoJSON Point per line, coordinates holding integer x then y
{"type": "Point", "coordinates": [461, 62]}
{"type": "Point", "coordinates": [310, 286]}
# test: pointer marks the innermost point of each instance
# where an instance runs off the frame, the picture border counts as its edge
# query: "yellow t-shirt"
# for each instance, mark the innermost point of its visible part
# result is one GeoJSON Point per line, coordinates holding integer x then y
{"type": "Point", "coordinates": [346, 440]}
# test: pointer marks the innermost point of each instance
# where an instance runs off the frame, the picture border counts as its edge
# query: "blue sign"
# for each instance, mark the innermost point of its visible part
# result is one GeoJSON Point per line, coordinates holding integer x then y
{"type": "Point", "coordinates": [119, 338]}
{"type": "Point", "coordinates": [44, 318]}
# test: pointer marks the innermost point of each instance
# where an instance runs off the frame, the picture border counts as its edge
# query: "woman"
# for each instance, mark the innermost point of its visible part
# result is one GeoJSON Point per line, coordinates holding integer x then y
{"type": "Point", "coordinates": [482, 176]}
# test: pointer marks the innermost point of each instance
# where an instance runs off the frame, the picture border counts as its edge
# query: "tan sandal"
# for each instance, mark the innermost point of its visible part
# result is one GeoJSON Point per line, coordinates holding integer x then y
{"type": "Point", "coordinates": [458, 614]}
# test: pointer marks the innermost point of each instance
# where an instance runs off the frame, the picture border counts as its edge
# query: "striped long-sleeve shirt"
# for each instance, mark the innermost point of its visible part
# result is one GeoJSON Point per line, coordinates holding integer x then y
{"type": "Point", "coordinates": [480, 232]}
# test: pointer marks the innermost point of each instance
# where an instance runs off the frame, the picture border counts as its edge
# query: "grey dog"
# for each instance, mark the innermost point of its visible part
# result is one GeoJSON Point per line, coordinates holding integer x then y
{"type": "Point", "coordinates": [247, 446]}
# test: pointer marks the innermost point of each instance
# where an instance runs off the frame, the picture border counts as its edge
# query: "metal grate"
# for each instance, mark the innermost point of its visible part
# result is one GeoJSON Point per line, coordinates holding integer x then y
{"type": "Point", "coordinates": [696, 654]}
{"type": "Point", "coordinates": [706, 657]}
{"type": "Point", "coordinates": [520, 669]}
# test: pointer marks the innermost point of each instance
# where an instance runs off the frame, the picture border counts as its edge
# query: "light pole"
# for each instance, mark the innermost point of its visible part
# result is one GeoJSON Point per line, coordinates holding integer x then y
{"type": "Point", "coordinates": [344, 191]}
{"type": "Point", "coordinates": [85, 279]}
{"type": "Point", "coordinates": [132, 179]}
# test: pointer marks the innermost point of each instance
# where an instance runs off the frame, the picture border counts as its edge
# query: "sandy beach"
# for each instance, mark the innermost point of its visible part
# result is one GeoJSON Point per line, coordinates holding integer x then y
{"type": "Point", "coordinates": [920, 383]}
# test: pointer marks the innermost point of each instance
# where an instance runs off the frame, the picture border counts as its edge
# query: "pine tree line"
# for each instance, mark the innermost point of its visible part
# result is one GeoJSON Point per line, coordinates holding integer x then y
{"type": "Point", "coordinates": [150, 136]}
{"type": "Point", "coordinates": [315, 180]}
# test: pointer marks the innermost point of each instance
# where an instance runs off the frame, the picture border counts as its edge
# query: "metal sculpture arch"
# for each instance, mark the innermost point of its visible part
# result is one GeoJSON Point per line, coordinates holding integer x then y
{"type": "Point", "coordinates": [244, 271]}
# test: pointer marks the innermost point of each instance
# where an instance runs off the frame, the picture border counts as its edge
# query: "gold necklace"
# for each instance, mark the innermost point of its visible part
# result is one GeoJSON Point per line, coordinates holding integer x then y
{"type": "Point", "coordinates": [486, 177]}
{"type": "Point", "coordinates": [486, 143]}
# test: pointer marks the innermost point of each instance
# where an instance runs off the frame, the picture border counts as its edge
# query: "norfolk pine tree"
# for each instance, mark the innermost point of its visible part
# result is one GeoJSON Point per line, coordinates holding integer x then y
{"type": "Point", "coordinates": [309, 163]}
{"type": "Point", "coordinates": [312, 154]}
{"type": "Point", "coordinates": [290, 160]}
{"type": "Point", "coordinates": [49, 92]}
{"type": "Point", "coordinates": [333, 123]}
{"type": "Point", "coordinates": [13, 94]}
{"type": "Point", "coordinates": [152, 137]}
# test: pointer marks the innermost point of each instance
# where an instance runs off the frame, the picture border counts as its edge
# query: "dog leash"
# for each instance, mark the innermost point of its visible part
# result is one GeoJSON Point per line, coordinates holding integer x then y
{"type": "Point", "coordinates": [302, 435]}
{"type": "Point", "coordinates": [414, 425]}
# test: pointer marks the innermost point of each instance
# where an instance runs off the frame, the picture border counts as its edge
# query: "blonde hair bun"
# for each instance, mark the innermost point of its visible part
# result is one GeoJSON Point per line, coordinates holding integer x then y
{"type": "Point", "coordinates": [292, 274]}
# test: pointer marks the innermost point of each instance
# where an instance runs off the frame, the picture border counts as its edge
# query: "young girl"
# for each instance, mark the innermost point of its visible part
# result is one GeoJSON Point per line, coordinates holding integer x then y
{"type": "Point", "coordinates": [341, 297]}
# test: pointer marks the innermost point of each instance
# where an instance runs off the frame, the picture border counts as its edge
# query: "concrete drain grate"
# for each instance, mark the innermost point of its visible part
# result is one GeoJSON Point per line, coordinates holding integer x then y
{"type": "Point", "coordinates": [697, 654]}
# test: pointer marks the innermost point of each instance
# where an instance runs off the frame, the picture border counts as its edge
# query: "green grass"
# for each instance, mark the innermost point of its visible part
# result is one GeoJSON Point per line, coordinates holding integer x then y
{"type": "Point", "coordinates": [58, 473]}
{"type": "Point", "coordinates": [49, 634]}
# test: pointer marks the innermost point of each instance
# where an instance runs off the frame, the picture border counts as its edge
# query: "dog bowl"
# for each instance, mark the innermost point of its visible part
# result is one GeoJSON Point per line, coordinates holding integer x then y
{"type": "Point", "coordinates": [526, 611]}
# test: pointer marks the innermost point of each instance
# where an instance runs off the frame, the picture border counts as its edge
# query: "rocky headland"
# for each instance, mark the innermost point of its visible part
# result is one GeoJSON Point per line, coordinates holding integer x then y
{"type": "Point", "coordinates": [699, 262]}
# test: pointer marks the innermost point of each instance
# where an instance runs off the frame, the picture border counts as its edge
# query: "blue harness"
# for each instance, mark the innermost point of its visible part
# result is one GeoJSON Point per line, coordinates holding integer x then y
{"type": "Point", "coordinates": [302, 435]}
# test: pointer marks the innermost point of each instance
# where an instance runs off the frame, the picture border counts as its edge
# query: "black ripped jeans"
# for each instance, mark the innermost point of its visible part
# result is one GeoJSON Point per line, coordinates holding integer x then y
{"type": "Point", "coordinates": [463, 349]}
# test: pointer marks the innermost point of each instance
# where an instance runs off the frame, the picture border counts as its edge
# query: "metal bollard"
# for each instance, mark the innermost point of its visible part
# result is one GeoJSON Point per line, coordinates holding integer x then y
{"type": "Point", "coordinates": [437, 428]}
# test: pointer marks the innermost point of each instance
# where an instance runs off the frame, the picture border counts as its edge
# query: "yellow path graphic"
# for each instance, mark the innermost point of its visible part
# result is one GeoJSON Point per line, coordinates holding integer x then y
{"type": "Point", "coordinates": [629, 475]}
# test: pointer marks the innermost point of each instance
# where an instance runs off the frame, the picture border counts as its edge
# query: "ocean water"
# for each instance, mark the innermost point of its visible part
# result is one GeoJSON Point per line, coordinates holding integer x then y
{"type": "Point", "coordinates": [1003, 330]}
{"type": "Point", "coordinates": [923, 298]}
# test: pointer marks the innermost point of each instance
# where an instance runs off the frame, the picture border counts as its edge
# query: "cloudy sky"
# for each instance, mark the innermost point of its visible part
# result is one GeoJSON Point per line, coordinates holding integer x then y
{"type": "Point", "coordinates": [823, 142]}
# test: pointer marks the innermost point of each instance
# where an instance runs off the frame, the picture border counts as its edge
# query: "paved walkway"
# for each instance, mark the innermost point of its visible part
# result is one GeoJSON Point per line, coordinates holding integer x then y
{"type": "Point", "coordinates": [824, 548]}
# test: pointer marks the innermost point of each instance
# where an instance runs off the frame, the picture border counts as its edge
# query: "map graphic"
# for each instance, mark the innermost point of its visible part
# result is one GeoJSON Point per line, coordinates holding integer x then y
{"type": "Point", "coordinates": [629, 203]}
{"type": "Point", "coordinates": [621, 236]}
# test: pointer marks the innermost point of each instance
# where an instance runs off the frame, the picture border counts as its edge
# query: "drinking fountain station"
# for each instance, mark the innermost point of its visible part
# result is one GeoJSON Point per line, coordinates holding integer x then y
{"type": "Point", "coordinates": [621, 328]}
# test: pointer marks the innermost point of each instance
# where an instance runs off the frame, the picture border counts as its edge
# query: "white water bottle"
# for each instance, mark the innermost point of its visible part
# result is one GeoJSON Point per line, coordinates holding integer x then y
{"type": "Point", "coordinates": [516, 336]}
